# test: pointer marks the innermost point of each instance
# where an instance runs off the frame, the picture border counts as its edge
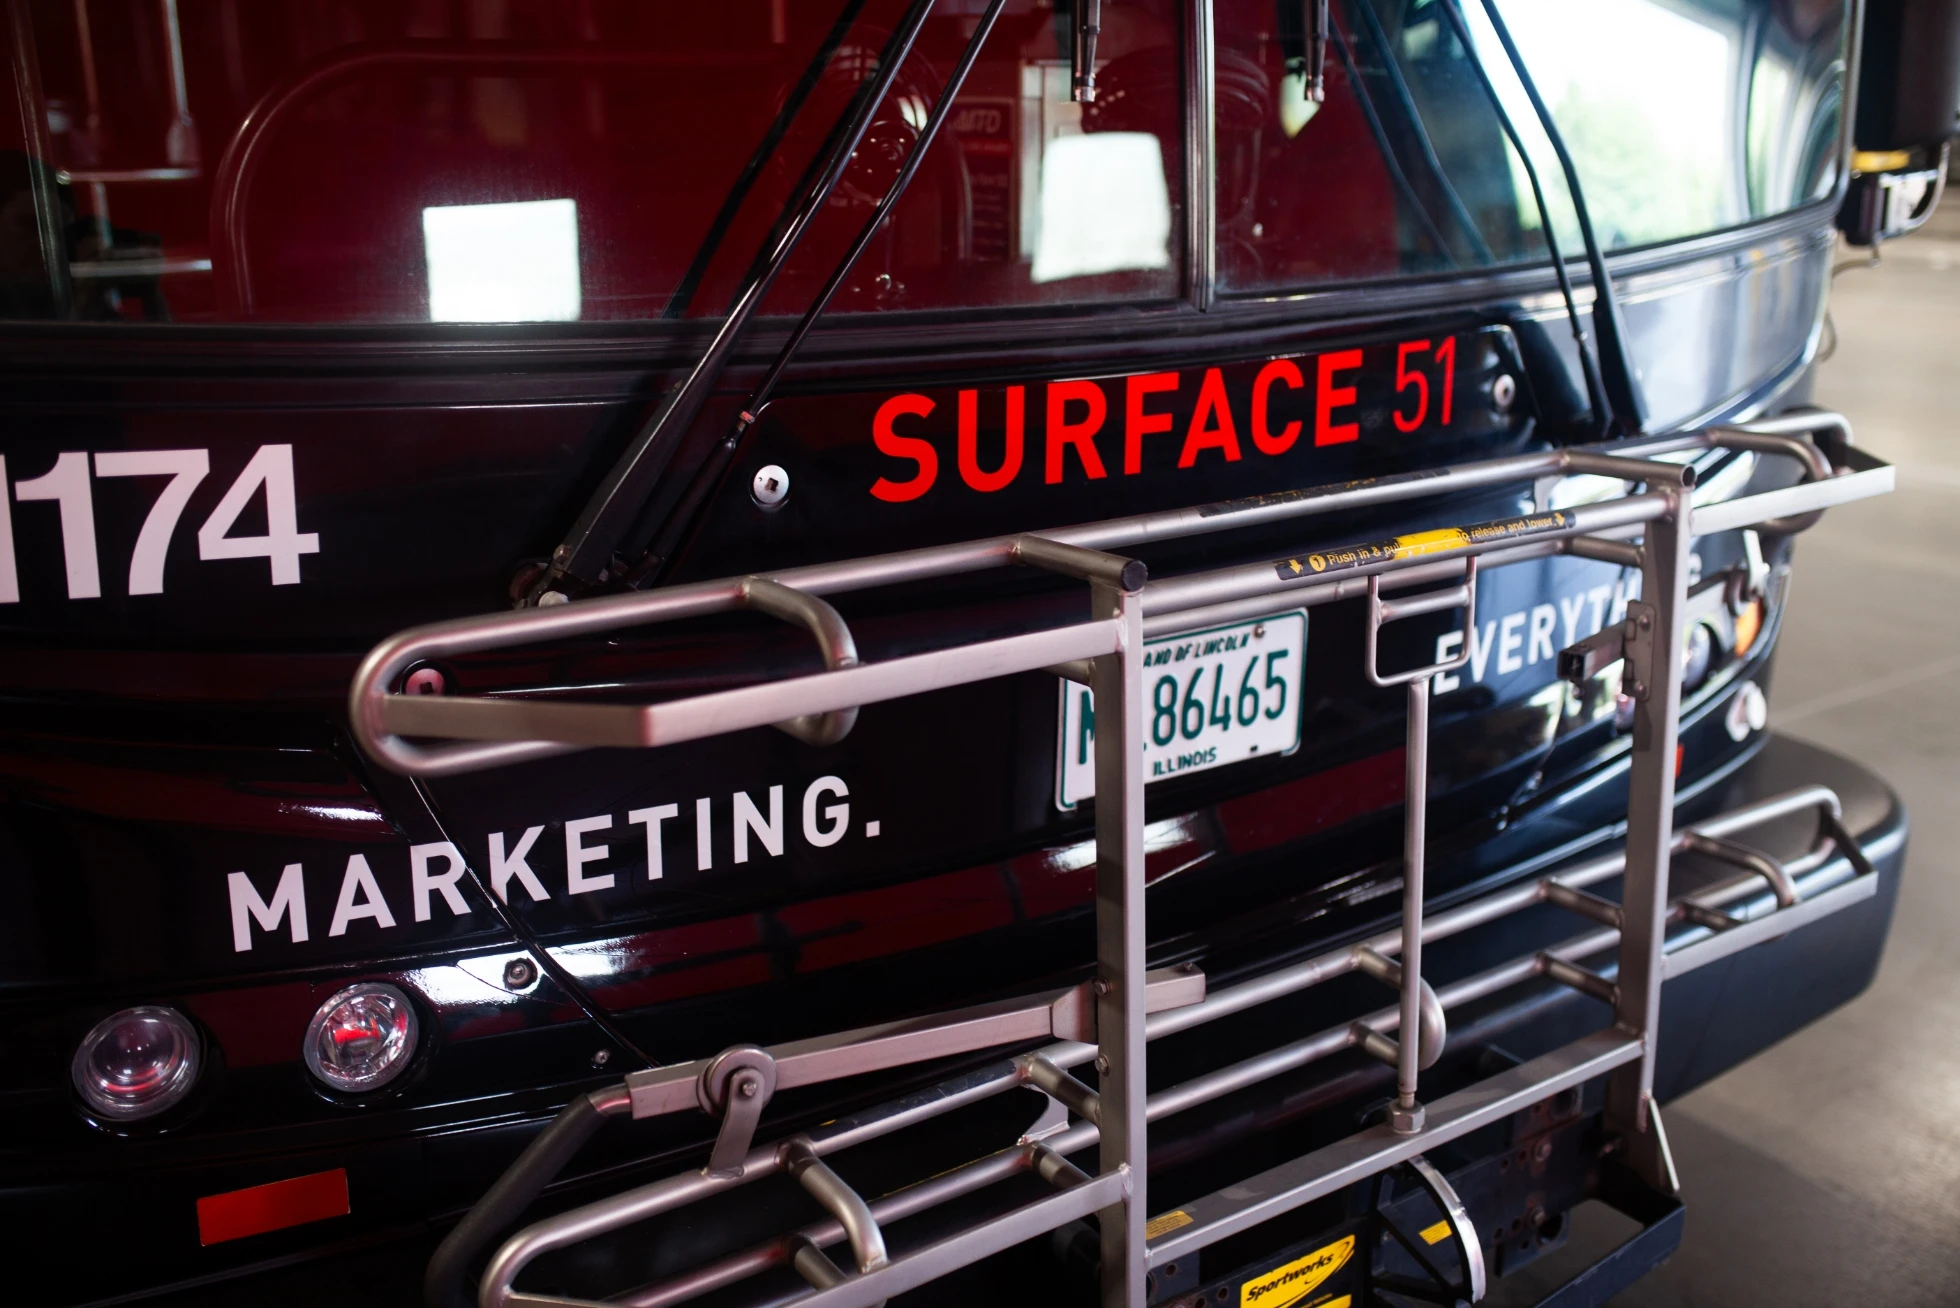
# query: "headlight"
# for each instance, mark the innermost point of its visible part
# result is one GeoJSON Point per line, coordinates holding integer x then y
{"type": "Point", "coordinates": [137, 1063]}
{"type": "Point", "coordinates": [362, 1038]}
{"type": "Point", "coordinates": [1697, 656]}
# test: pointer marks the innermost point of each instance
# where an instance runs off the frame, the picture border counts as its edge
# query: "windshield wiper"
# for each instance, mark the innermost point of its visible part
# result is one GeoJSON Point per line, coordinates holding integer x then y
{"type": "Point", "coordinates": [1383, 146]}
{"type": "Point", "coordinates": [681, 521]}
{"type": "Point", "coordinates": [1405, 101]}
{"type": "Point", "coordinates": [1622, 386]}
{"type": "Point", "coordinates": [1596, 394]}
{"type": "Point", "coordinates": [765, 150]}
{"type": "Point", "coordinates": [584, 558]}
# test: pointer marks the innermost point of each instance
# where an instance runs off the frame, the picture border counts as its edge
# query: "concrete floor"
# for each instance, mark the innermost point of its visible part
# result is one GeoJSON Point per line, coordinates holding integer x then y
{"type": "Point", "coordinates": [1826, 1171]}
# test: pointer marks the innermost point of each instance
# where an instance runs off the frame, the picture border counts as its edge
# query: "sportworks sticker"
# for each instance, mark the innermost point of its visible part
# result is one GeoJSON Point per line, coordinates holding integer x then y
{"type": "Point", "coordinates": [1285, 1286]}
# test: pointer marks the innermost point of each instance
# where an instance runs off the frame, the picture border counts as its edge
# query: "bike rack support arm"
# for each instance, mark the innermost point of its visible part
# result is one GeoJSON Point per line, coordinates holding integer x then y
{"type": "Point", "coordinates": [445, 1284]}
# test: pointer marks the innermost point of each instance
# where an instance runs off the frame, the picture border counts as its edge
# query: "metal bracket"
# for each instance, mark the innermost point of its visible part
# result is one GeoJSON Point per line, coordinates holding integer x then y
{"type": "Point", "coordinates": [1581, 662]}
{"type": "Point", "coordinates": [1631, 641]}
{"type": "Point", "coordinates": [1637, 682]}
{"type": "Point", "coordinates": [736, 1086]}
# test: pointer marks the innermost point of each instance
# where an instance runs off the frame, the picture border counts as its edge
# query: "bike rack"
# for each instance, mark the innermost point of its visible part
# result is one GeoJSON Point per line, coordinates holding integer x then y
{"type": "Point", "coordinates": [1108, 1022]}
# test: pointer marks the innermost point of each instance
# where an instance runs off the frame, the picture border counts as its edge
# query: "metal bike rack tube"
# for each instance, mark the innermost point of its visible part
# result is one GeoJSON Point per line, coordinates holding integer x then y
{"type": "Point", "coordinates": [507, 734]}
{"type": "Point", "coordinates": [1692, 949]}
{"type": "Point", "coordinates": [1106, 650]}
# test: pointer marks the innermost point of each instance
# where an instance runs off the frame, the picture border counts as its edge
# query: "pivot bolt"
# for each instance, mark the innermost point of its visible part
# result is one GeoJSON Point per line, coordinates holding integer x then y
{"type": "Point", "coordinates": [518, 973]}
{"type": "Point", "coordinates": [424, 680]}
{"type": "Point", "coordinates": [771, 486]}
{"type": "Point", "coordinates": [601, 1058]}
{"type": "Point", "coordinates": [1503, 392]}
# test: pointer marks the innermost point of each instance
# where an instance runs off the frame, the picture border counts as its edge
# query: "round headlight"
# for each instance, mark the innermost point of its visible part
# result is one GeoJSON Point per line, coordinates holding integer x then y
{"type": "Point", "coordinates": [362, 1038]}
{"type": "Point", "coordinates": [1697, 656]}
{"type": "Point", "coordinates": [137, 1063]}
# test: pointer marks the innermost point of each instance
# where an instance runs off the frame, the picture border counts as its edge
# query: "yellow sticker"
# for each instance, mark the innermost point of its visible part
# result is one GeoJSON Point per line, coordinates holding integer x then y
{"type": "Point", "coordinates": [1292, 1283]}
{"type": "Point", "coordinates": [1165, 1223]}
{"type": "Point", "coordinates": [1436, 1234]}
{"type": "Point", "coordinates": [1429, 542]}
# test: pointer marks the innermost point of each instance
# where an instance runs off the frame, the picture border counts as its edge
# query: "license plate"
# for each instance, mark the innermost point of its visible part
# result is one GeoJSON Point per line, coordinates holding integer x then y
{"type": "Point", "coordinates": [1211, 697]}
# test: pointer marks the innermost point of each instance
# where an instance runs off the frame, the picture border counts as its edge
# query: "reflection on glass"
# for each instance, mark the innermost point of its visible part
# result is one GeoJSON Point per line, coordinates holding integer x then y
{"type": "Point", "coordinates": [1104, 206]}
{"type": "Point", "coordinates": [1682, 117]}
{"type": "Point", "coordinates": [502, 262]}
{"type": "Point", "coordinates": [1643, 96]}
{"type": "Point", "coordinates": [345, 146]}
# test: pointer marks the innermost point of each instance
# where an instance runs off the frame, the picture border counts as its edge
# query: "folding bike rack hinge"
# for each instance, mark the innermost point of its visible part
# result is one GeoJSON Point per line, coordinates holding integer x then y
{"type": "Point", "coordinates": [1637, 681]}
{"type": "Point", "coordinates": [736, 1086]}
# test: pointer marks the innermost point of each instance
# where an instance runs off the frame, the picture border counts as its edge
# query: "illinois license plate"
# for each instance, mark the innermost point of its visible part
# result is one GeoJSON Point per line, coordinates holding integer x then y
{"type": "Point", "coordinates": [1211, 697]}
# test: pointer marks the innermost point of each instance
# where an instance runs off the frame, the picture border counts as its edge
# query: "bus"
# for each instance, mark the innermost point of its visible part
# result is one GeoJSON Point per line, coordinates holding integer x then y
{"type": "Point", "coordinates": [1059, 651]}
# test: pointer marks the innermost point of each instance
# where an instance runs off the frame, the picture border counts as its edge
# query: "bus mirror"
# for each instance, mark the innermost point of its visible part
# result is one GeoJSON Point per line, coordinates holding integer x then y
{"type": "Point", "coordinates": [1907, 109]}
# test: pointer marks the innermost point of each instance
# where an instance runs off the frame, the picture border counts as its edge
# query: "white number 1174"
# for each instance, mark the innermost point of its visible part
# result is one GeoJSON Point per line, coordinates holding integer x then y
{"type": "Point", "coordinates": [68, 485]}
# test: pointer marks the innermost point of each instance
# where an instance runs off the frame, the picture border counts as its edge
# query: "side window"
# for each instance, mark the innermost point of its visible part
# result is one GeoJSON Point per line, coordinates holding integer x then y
{"type": "Point", "coordinates": [560, 160]}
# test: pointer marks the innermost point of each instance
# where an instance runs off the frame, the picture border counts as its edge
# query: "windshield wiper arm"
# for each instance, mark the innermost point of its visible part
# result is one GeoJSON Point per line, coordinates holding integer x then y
{"type": "Point", "coordinates": [1383, 146]}
{"type": "Point", "coordinates": [1588, 365]}
{"type": "Point", "coordinates": [1622, 386]}
{"type": "Point", "coordinates": [584, 558]}
{"type": "Point", "coordinates": [681, 520]}
{"type": "Point", "coordinates": [1405, 101]}
{"type": "Point", "coordinates": [765, 150]}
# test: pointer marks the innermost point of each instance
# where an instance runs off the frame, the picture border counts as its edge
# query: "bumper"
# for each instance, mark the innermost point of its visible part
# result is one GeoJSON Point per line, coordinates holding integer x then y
{"type": "Point", "coordinates": [404, 1185]}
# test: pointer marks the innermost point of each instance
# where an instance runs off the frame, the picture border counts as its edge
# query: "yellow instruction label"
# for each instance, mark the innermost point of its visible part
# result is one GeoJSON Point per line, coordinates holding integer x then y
{"type": "Point", "coordinates": [1291, 1284]}
{"type": "Point", "coordinates": [1165, 1223]}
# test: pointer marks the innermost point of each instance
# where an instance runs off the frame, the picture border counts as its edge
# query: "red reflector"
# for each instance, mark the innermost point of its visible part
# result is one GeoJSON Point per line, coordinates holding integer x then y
{"type": "Point", "coordinates": [261, 1208]}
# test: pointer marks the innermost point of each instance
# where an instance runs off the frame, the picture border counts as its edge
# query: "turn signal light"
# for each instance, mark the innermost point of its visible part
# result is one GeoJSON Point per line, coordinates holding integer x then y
{"type": "Point", "coordinates": [362, 1038]}
{"type": "Point", "coordinates": [1748, 626]}
{"type": "Point", "coordinates": [137, 1063]}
